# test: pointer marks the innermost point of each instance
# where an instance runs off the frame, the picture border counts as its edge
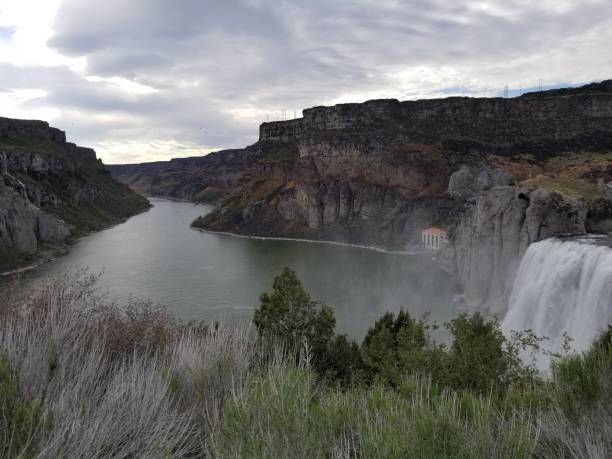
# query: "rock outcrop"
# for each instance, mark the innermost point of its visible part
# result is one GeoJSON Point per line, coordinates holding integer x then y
{"type": "Point", "coordinates": [52, 191]}
{"type": "Point", "coordinates": [468, 181]}
{"type": "Point", "coordinates": [493, 234]}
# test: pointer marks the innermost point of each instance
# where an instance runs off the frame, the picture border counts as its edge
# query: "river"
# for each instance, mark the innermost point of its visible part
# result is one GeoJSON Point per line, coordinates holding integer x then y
{"type": "Point", "coordinates": [205, 276]}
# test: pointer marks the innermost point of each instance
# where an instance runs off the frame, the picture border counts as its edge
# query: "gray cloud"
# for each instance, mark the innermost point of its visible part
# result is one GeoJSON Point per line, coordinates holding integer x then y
{"type": "Point", "coordinates": [217, 67]}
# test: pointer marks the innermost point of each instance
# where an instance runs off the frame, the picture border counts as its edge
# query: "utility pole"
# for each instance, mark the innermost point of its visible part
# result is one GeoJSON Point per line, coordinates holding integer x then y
{"type": "Point", "coordinates": [540, 84]}
{"type": "Point", "coordinates": [506, 91]}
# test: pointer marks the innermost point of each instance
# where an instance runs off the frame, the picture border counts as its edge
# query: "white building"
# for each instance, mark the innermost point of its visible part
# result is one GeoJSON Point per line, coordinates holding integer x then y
{"type": "Point", "coordinates": [434, 238]}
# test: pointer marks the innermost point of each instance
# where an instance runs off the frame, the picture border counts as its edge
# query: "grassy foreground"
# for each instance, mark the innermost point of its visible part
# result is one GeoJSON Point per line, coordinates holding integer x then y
{"type": "Point", "coordinates": [82, 378]}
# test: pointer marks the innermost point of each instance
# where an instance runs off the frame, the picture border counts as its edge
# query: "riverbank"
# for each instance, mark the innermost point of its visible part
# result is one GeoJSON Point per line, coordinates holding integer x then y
{"type": "Point", "coordinates": [48, 254]}
{"type": "Point", "coordinates": [412, 251]}
{"type": "Point", "coordinates": [24, 269]}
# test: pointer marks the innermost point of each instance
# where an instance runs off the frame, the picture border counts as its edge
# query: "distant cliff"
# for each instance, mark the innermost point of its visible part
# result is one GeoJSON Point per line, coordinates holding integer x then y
{"type": "Point", "coordinates": [52, 191]}
{"type": "Point", "coordinates": [203, 178]}
{"type": "Point", "coordinates": [497, 173]}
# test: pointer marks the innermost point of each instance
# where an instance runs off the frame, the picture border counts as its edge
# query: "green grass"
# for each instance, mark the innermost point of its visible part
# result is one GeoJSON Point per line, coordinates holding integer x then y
{"type": "Point", "coordinates": [572, 187]}
{"type": "Point", "coordinates": [18, 419]}
{"type": "Point", "coordinates": [28, 145]}
{"type": "Point", "coordinates": [12, 259]}
{"type": "Point", "coordinates": [283, 413]}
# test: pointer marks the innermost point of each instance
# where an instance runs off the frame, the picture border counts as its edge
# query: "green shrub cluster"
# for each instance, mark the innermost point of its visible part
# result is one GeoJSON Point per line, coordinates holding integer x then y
{"type": "Point", "coordinates": [479, 359]}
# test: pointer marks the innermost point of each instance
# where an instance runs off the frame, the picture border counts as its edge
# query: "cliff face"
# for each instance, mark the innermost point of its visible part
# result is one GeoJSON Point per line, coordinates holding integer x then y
{"type": "Point", "coordinates": [205, 178]}
{"type": "Point", "coordinates": [379, 172]}
{"type": "Point", "coordinates": [493, 234]}
{"type": "Point", "coordinates": [52, 191]}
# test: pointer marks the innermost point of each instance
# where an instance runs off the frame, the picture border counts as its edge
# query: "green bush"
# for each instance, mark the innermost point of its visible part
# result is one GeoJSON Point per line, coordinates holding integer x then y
{"type": "Point", "coordinates": [396, 346]}
{"type": "Point", "coordinates": [479, 359]}
{"type": "Point", "coordinates": [289, 314]}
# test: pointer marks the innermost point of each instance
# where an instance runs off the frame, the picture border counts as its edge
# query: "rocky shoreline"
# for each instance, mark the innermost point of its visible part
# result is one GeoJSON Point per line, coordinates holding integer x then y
{"type": "Point", "coordinates": [413, 251]}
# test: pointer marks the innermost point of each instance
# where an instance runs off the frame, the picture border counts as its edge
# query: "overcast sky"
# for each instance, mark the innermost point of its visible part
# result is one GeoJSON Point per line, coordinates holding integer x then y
{"type": "Point", "coordinates": [144, 80]}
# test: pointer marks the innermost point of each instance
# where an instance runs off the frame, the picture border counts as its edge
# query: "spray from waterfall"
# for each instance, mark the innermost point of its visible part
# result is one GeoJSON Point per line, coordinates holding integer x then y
{"type": "Point", "coordinates": [562, 287]}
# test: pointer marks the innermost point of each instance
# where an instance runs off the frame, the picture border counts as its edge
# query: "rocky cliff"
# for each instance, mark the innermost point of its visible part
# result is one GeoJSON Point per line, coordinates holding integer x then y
{"type": "Point", "coordinates": [379, 172]}
{"type": "Point", "coordinates": [52, 191]}
{"type": "Point", "coordinates": [205, 178]}
{"type": "Point", "coordinates": [493, 233]}
{"type": "Point", "coordinates": [497, 173]}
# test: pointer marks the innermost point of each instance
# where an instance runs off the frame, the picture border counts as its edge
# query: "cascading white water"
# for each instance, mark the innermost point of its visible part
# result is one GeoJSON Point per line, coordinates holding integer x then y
{"type": "Point", "coordinates": [562, 286]}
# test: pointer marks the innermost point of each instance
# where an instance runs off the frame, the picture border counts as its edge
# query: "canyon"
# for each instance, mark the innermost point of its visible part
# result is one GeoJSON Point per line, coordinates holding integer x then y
{"type": "Point", "coordinates": [497, 173]}
{"type": "Point", "coordinates": [52, 192]}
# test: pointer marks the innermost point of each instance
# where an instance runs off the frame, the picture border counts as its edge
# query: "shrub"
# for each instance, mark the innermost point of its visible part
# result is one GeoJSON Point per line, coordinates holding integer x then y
{"type": "Point", "coordinates": [91, 379]}
{"type": "Point", "coordinates": [396, 346]}
{"type": "Point", "coordinates": [289, 314]}
{"type": "Point", "coordinates": [82, 378]}
{"type": "Point", "coordinates": [480, 359]}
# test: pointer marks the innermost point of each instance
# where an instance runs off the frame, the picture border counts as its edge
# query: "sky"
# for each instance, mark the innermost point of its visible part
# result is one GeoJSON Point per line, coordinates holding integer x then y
{"type": "Point", "coordinates": [148, 80]}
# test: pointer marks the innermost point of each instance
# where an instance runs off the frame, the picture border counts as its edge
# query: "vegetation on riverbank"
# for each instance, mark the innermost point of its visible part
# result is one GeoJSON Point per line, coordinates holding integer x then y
{"type": "Point", "coordinates": [84, 377]}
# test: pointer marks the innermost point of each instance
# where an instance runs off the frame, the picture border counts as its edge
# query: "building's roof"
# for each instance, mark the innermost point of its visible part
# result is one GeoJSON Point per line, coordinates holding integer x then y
{"type": "Point", "coordinates": [434, 230]}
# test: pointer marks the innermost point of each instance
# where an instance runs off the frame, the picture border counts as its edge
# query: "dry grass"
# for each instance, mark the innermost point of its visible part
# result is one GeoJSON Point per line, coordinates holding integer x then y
{"type": "Point", "coordinates": [115, 382]}
{"type": "Point", "coordinates": [83, 378]}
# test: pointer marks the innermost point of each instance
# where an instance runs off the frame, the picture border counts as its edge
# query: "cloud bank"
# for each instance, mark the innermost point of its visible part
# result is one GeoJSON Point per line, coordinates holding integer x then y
{"type": "Point", "coordinates": [153, 79]}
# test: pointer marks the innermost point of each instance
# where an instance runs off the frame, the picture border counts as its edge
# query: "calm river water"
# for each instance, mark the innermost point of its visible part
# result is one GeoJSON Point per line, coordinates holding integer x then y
{"type": "Point", "coordinates": [198, 275]}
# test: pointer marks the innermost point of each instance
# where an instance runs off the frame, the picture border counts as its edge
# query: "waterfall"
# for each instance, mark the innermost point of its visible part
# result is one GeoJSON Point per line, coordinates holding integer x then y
{"type": "Point", "coordinates": [563, 286]}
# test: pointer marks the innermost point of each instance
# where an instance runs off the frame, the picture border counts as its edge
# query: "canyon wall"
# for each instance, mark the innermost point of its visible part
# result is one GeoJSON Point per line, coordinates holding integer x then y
{"type": "Point", "coordinates": [52, 191]}
{"type": "Point", "coordinates": [204, 178]}
{"type": "Point", "coordinates": [497, 173]}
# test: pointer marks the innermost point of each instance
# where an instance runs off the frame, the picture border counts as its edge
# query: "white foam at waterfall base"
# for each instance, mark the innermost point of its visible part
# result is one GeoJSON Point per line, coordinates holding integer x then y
{"type": "Point", "coordinates": [562, 286]}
